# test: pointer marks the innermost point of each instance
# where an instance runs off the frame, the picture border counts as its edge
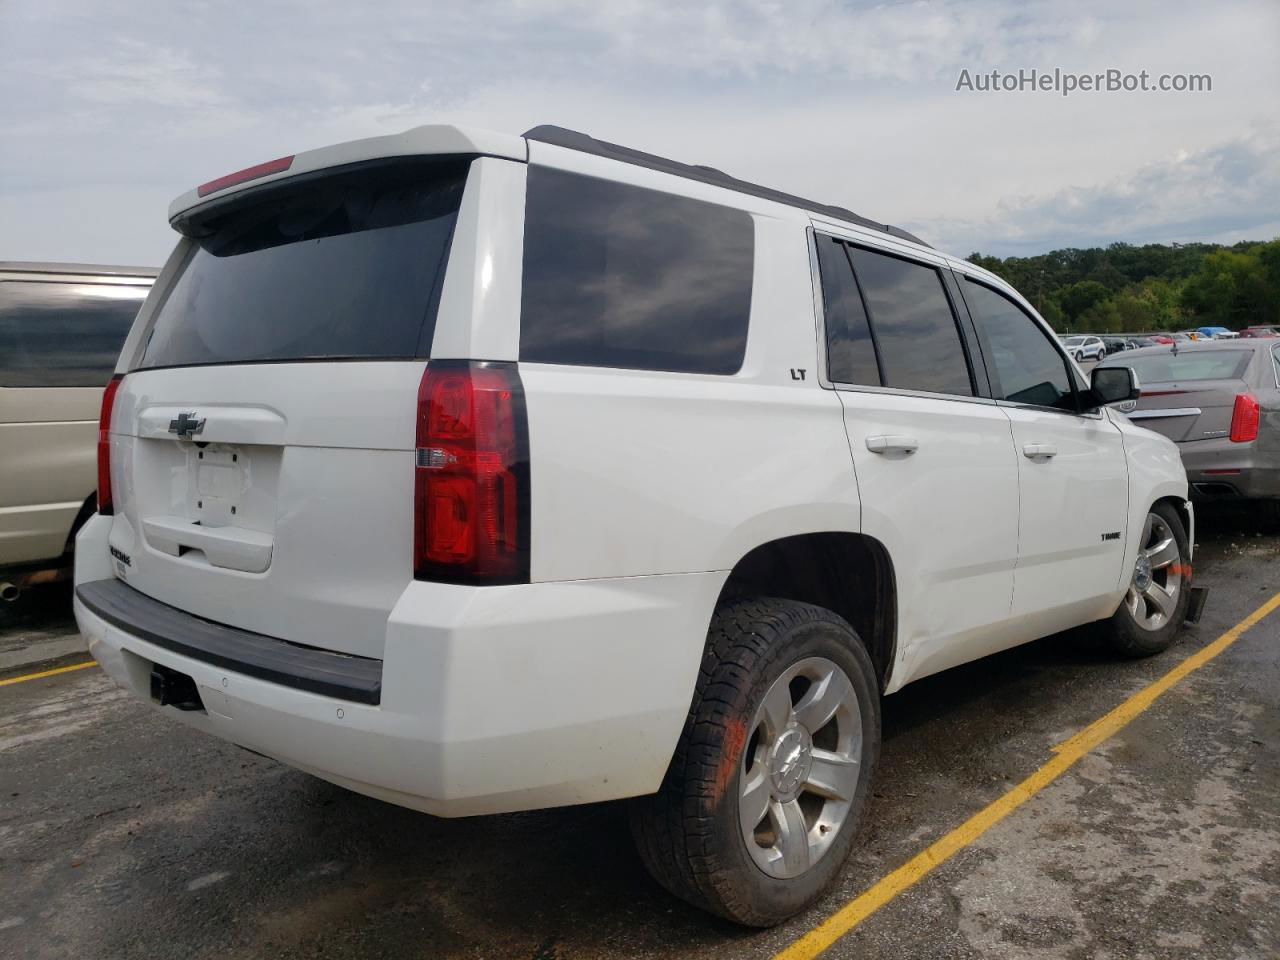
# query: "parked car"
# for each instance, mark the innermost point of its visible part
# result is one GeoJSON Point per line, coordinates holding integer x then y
{"type": "Point", "coordinates": [1085, 348]}
{"type": "Point", "coordinates": [1256, 333]}
{"type": "Point", "coordinates": [61, 327]}
{"type": "Point", "coordinates": [1221, 404]}
{"type": "Point", "coordinates": [1139, 342]}
{"type": "Point", "coordinates": [1217, 333]}
{"type": "Point", "coordinates": [482, 473]}
{"type": "Point", "coordinates": [1165, 338]}
{"type": "Point", "coordinates": [1115, 344]}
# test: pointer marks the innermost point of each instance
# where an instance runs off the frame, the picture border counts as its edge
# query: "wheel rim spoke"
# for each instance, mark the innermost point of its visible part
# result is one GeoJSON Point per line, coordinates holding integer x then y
{"type": "Point", "coordinates": [753, 804]}
{"type": "Point", "coordinates": [792, 835]}
{"type": "Point", "coordinates": [777, 709]}
{"type": "Point", "coordinates": [822, 700]}
{"type": "Point", "coordinates": [832, 775]}
{"type": "Point", "coordinates": [1162, 554]}
{"type": "Point", "coordinates": [1146, 530]}
{"type": "Point", "coordinates": [1163, 599]}
{"type": "Point", "coordinates": [1133, 599]}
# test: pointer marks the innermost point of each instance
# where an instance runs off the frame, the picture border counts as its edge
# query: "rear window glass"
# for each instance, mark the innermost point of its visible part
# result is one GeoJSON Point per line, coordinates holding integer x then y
{"type": "Point", "coordinates": [60, 334]}
{"type": "Point", "coordinates": [342, 266]}
{"type": "Point", "coordinates": [621, 276]}
{"type": "Point", "coordinates": [1190, 363]}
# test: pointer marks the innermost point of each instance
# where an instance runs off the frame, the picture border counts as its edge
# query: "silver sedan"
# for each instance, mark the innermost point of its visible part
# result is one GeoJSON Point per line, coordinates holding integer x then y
{"type": "Point", "coordinates": [1220, 403]}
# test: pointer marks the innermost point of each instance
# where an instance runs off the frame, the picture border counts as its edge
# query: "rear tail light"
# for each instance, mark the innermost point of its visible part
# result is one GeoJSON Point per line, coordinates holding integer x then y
{"type": "Point", "coordinates": [471, 475]}
{"type": "Point", "coordinates": [106, 505]}
{"type": "Point", "coordinates": [1244, 418]}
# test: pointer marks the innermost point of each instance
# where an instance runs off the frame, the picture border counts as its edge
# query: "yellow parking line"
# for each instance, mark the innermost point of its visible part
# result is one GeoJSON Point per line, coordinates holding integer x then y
{"type": "Point", "coordinates": [1066, 754]}
{"type": "Point", "coordinates": [48, 673]}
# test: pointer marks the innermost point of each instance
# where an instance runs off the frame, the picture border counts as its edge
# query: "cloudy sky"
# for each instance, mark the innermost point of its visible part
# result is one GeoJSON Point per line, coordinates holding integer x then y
{"type": "Point", "coordinates": [110, 109]}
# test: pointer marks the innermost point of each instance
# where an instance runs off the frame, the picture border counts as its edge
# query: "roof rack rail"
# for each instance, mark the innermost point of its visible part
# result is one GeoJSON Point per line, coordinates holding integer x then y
{"type": "Point", "coordinates": [574, 140]}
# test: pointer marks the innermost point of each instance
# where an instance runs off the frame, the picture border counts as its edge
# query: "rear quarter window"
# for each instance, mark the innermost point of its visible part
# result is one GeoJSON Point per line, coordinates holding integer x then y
{"type": "Point", "coordinates": [622, 276]}
{"type": "Point", "coordinates": [64, 334]}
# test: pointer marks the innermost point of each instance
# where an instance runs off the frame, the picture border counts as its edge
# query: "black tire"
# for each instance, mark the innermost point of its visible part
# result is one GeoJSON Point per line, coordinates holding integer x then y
{"type": "Point", "coordinates": [688, 834]}
{"type": "Point", "coordinates": [1079, 357]}
{"type": "Point", "coordinates": [1126, 635]}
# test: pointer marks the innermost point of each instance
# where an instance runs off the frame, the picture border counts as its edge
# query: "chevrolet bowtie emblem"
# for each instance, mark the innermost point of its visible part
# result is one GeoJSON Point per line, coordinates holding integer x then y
{"type": "Point", "coordinates": [186, 426]}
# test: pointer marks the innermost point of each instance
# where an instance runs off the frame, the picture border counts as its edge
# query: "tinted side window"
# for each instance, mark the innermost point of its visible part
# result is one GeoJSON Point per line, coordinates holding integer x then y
{"type": "Point", "coordinates": [60, 334]}
{"type": "Point", "coordinates": [1024, 364]}
{"type": "Point", "coordinates": [621, 276]}
{"type": "Point", "coordinates": [915, 330]}
{"type": "Point", "coordinates": [851, 356]}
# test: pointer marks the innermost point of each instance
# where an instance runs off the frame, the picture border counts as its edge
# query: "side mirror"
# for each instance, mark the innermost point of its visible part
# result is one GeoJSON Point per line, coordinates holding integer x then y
{"type": "Point", "coordinates": [1113, 385]}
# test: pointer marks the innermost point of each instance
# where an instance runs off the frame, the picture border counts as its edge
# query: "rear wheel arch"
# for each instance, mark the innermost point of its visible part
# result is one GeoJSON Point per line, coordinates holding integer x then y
{"type": "Point", "coordinates": [850, 574]}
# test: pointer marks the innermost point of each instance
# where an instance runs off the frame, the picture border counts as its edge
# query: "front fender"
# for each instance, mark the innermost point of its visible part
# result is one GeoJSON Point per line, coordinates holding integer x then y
{"type": "Point", "coordinates": [1155, 473]}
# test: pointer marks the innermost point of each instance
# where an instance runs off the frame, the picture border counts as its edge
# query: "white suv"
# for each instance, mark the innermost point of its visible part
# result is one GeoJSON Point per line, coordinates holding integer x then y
{"type": "Point", "coordinates": [1085, 348]}
{"type": "Point", "coordinates": [482, 473]}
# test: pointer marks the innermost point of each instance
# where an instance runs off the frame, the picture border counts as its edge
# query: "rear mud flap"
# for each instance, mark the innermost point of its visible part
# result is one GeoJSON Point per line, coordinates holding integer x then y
{"type": "Point", "coordinates": [1196, 607]}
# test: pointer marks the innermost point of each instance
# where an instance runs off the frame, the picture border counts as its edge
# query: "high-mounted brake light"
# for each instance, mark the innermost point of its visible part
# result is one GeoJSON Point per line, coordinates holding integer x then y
{"type": "Point", "coordinates": [106, 504]}
{"type": "Point", "coordinates": [471, 475]}
{"type": "Point", "coordinates": [242, 176]}
{"type": "Point", "coordinates": [1244, 418]}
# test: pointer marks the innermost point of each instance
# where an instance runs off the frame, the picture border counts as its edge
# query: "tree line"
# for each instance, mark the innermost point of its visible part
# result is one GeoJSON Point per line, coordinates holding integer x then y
{"type": "Point", "coordinates": [1133, 289]}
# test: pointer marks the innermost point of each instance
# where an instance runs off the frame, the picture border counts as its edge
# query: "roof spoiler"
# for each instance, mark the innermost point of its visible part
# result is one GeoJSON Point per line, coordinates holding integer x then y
{"type": "Point", "coordinates": [430, 140]}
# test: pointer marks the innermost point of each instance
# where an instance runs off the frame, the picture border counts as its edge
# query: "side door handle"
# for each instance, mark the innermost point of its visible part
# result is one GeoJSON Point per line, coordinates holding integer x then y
{"type": "Point", "coordinates": [892, 443]}
{"type": "Point", "coordinates": [1039, 451]}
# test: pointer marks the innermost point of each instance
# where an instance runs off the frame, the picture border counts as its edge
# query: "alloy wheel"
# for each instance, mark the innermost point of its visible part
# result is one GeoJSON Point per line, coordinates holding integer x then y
{"type": "Point", "coordinates": [801, 767]}
{"type": "Point", "coordinates": [1156, 583]}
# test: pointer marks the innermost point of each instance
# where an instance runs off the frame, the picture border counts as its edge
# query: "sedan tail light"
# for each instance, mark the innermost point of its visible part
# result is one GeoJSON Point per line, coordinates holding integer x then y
{"type": "Point", "coordinates": [1245, 418]}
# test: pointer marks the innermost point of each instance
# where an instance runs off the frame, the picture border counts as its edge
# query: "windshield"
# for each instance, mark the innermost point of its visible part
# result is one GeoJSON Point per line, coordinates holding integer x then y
{"type": "Point", "coordinates": [1200, 364]}
{"type": "Point", "coordinates": [1073, 341]}
{"type": "Point", "coordinates": [346, 265]}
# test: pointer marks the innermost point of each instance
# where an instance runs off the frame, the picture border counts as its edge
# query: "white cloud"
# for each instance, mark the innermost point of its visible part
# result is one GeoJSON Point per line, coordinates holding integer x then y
{"type": "Point", "coordinates": [1212, 194]}
{"type": "Point", "coordinates": [127, 73]}
{"type": "Point", "coordinates": [848, 102]}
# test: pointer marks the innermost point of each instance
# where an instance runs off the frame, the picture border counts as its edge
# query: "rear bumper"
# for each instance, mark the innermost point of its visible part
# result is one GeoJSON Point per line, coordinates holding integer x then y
{"type": "Point", "coordinates": [358, 679]}
{"type": "Point", "coordinates": [1219, 469]}
{"type": "Point", "coordinates": [492, 699]}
